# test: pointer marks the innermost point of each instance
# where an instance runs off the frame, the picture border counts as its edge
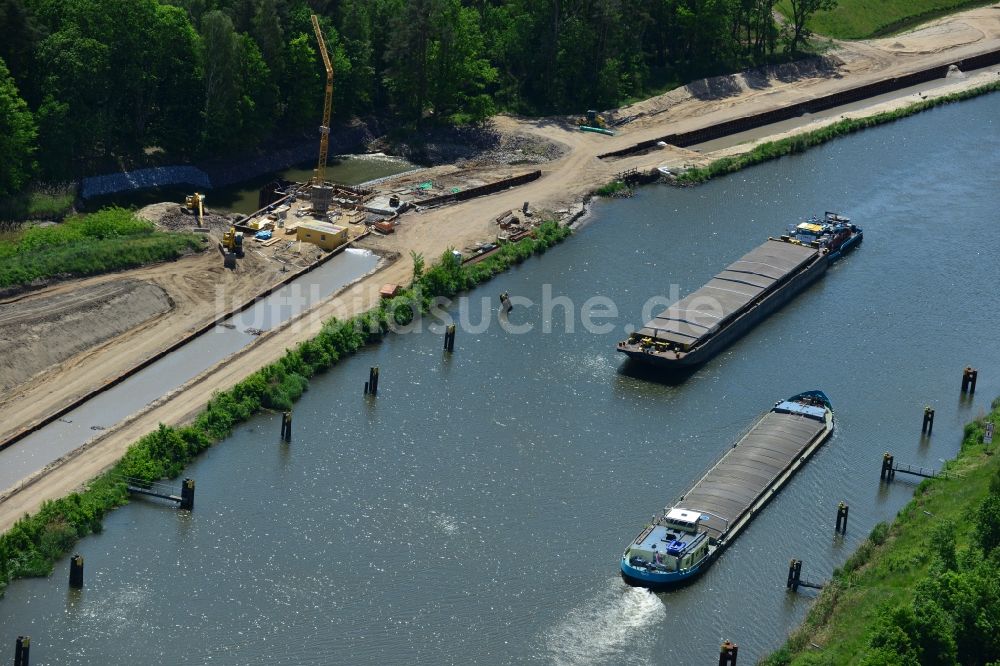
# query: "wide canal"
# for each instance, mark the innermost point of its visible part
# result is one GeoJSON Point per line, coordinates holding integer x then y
{"type": "Point", "coordinates": [476, 510]}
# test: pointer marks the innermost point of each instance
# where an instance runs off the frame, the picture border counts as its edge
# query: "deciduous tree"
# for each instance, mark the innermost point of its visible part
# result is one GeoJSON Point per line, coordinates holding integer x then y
{"type": "Point", "coordinates": [801, 11]}
{"type": "Point", "coordinates": [988, 523]}
{"type": "Point", "coordinates": [222, 69]}
{"type": "Point", "coordinates": [17, 136]}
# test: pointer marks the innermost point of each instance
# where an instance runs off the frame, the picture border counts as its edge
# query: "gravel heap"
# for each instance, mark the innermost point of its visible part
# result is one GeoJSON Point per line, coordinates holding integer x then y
{"type": "Point", "coordinates": [520, 149]}
{"type": "Point", "coordinates": [444, 145]}
{"type": "Point", "coordinates": [479, 145]}
{"type": "Point", "coordinates": [169, 217]}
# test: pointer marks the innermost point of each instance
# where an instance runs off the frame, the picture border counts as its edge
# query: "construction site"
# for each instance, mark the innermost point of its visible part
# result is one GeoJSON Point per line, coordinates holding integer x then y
{"type": "Point", "coordinates": [291, 217]}
{"type": "Point", "coordinates": [78, 337]}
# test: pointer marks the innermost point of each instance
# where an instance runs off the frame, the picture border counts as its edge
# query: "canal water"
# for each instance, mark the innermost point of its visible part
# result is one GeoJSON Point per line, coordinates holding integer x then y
{"type": "Point", "coordinates": [243, 197]}
{"type": "Point", "coordinates": [475, 511]}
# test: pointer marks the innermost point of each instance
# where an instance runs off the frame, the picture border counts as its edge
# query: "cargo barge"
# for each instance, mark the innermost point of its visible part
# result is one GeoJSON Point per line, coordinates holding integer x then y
{"type": "Point", "coordinates": [688, 536]}
{"type": "Point", "coordinates": [700, 325]}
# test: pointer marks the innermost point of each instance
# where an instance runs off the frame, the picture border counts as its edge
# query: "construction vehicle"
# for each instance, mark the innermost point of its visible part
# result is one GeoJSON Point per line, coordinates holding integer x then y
{"type": "Point", "coordinates": [232, 241]}
{"type": "Point", "coordinates": [194, 204]}
{"type": "Point", "coordinates": [321, 192]}
{"type": "Point", "coordinates": [592, 119]}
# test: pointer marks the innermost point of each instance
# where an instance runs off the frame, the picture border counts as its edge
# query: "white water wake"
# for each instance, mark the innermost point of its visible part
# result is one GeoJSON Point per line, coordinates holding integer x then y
{"type": "Point", "coordinates": [614, 626]}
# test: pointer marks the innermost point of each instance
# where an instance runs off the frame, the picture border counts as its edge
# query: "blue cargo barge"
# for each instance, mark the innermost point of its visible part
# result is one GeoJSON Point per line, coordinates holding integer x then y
{"type": "Point", "coordinates": [686, 538]}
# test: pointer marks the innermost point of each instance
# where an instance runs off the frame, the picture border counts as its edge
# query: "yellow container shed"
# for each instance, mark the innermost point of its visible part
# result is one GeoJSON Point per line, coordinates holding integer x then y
{"type": "Point", "coordinates": [325, 235]}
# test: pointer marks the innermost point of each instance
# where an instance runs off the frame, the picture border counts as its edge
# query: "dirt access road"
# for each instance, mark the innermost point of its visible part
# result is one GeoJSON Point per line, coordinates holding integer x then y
{"type": "Point", "coordinates": [565, 182]}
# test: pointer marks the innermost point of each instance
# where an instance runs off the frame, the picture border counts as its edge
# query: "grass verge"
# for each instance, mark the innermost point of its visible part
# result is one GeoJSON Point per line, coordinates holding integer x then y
{"type": "Point", "coordinates": [109, 240]}
{"type": "Point", "coordinates": [50, 203]}
{"type": "Point", "coordinates": [889, 573]}
{"type": "Point", "coordinates": [800, 142]}
{"type": "Point", "coordinates": [34, 543]}
{"type": "Point", "coordinates": [616, 188]}
{"type": "Point", "coordinates": [863, 19]}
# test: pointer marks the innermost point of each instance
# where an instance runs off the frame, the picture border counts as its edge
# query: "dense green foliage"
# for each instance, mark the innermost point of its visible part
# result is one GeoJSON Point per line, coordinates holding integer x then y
{"type": "Point", "coordinates": [798, 143]}
{"type": "Point", "coordinates": [925, 590]}
{"type": "Point", "coordinates": [111, 82]}
{"type": "Point", "coordinates": [109, 240]}
{"type": "Point", "coordinates": [861, 19]}
{"type": "Point", "coordinates": [17, 136]}
{"type": "Point", "coordinates": [32, 546]}
{"type": "Point", "coordinates": [800, 12]}
{"type": "Point", "coordinates": [47, 202]}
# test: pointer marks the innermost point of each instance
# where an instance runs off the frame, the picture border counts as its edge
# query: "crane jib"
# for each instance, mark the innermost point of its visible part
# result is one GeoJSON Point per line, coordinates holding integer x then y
{"type": "Point", "coordinates": [324, 130]}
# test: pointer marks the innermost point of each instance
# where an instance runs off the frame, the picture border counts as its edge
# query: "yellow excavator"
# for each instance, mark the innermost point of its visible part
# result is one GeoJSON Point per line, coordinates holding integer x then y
{"type": "Point", "coordinates": [592, 119]}
{"type": "Point", "coordinates": [232, 240]}
{"type": "Point", "coordinates": [195, 203]}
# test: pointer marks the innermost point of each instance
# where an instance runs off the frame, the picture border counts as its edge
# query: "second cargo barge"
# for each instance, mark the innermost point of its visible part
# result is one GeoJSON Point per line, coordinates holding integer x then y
{"type": "Point", "coordinates": [685, 539]}
{"type": "Point", "coordinates": [695, 328]}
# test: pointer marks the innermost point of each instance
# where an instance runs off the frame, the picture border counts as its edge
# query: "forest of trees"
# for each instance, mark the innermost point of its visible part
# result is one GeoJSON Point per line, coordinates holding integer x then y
{"type": "Point", "coordinates": [88, 84]}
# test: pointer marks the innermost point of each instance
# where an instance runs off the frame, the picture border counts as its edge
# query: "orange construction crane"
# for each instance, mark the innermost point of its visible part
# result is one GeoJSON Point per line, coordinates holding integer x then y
{"type": "Point", "coordinates": [324, 129]}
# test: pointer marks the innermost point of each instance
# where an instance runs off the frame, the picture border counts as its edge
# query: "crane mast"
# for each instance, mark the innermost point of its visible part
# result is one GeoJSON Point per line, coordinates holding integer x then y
{"type": "Point", "coordinates": [324, 130]}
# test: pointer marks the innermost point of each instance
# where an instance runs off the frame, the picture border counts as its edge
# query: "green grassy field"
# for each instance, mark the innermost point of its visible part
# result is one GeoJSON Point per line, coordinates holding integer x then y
{"type": "Point", "coordinates": [862, 19]}
{"type": "Point", "coordinates": [889, 567]}
{"type": "Point", "coordinates": [109, 240]}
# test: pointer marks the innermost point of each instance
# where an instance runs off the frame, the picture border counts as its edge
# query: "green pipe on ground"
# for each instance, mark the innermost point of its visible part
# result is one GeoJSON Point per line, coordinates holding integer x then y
{"type": "Point", "coordinates": [596, 130]}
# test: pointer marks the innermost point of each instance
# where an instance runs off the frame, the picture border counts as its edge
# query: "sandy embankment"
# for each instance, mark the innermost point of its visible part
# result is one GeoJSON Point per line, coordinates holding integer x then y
{"type": "Point", "coordinates": [564, 182]}
{"type": "Point", "coordinates": [197, 288]}
{"type": "Point", "coordinates": [41, 331]}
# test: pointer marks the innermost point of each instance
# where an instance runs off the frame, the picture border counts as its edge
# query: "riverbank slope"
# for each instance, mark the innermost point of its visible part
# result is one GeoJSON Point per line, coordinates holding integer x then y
{"type": "Point", "coordinates": [935, 541]}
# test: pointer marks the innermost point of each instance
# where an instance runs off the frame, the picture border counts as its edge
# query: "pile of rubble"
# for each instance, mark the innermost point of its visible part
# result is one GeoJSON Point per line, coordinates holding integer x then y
{"type": "Point", "coordinates": [170, 216]}
{"type": "Point", "coordinates": [479, 145]}
{"type": "Point", "coordinates": [519, 149]}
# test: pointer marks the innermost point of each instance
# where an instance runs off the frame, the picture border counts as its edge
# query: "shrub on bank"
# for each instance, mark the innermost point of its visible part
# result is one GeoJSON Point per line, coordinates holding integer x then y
{"type": "Point", "coordinates": [800, 142]}
{"type": "Point", "coordinates": [52, 202]}
{"type": "Point", "coordinates": [613, 189]}
{"type": "Point", "coordinates": [34, 543]}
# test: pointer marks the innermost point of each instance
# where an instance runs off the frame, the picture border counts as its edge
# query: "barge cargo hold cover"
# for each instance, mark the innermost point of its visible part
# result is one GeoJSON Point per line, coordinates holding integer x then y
{"type": "Point", "coordinates": [692, 329]}
{"type": "Point", "coordinates": [695, 328]}
{"type": "Point", "coordinates": [686, 538]}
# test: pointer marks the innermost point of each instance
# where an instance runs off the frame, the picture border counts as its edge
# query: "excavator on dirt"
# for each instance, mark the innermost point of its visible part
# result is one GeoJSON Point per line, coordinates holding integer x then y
{"type": "Point", "coordinates": [194, 204]}
{"type": "Point", "coordinates": [232, 243]}
{"type": "Point", "coordinates": [593, 119]}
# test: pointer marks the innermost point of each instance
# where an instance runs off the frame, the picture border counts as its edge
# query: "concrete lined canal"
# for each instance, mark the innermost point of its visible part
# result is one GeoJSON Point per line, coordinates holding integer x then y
{"type": "Point", "coordinates": [475, 511]}
{"type": "Point", "coordinates": [173, 370]}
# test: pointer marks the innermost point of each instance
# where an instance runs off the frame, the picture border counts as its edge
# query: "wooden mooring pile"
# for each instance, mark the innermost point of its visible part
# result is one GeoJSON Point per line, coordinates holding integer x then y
{"type": "Point", "coordinates": [889, 468]}
{"type": "Point", "coordinates": [185, 500]}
